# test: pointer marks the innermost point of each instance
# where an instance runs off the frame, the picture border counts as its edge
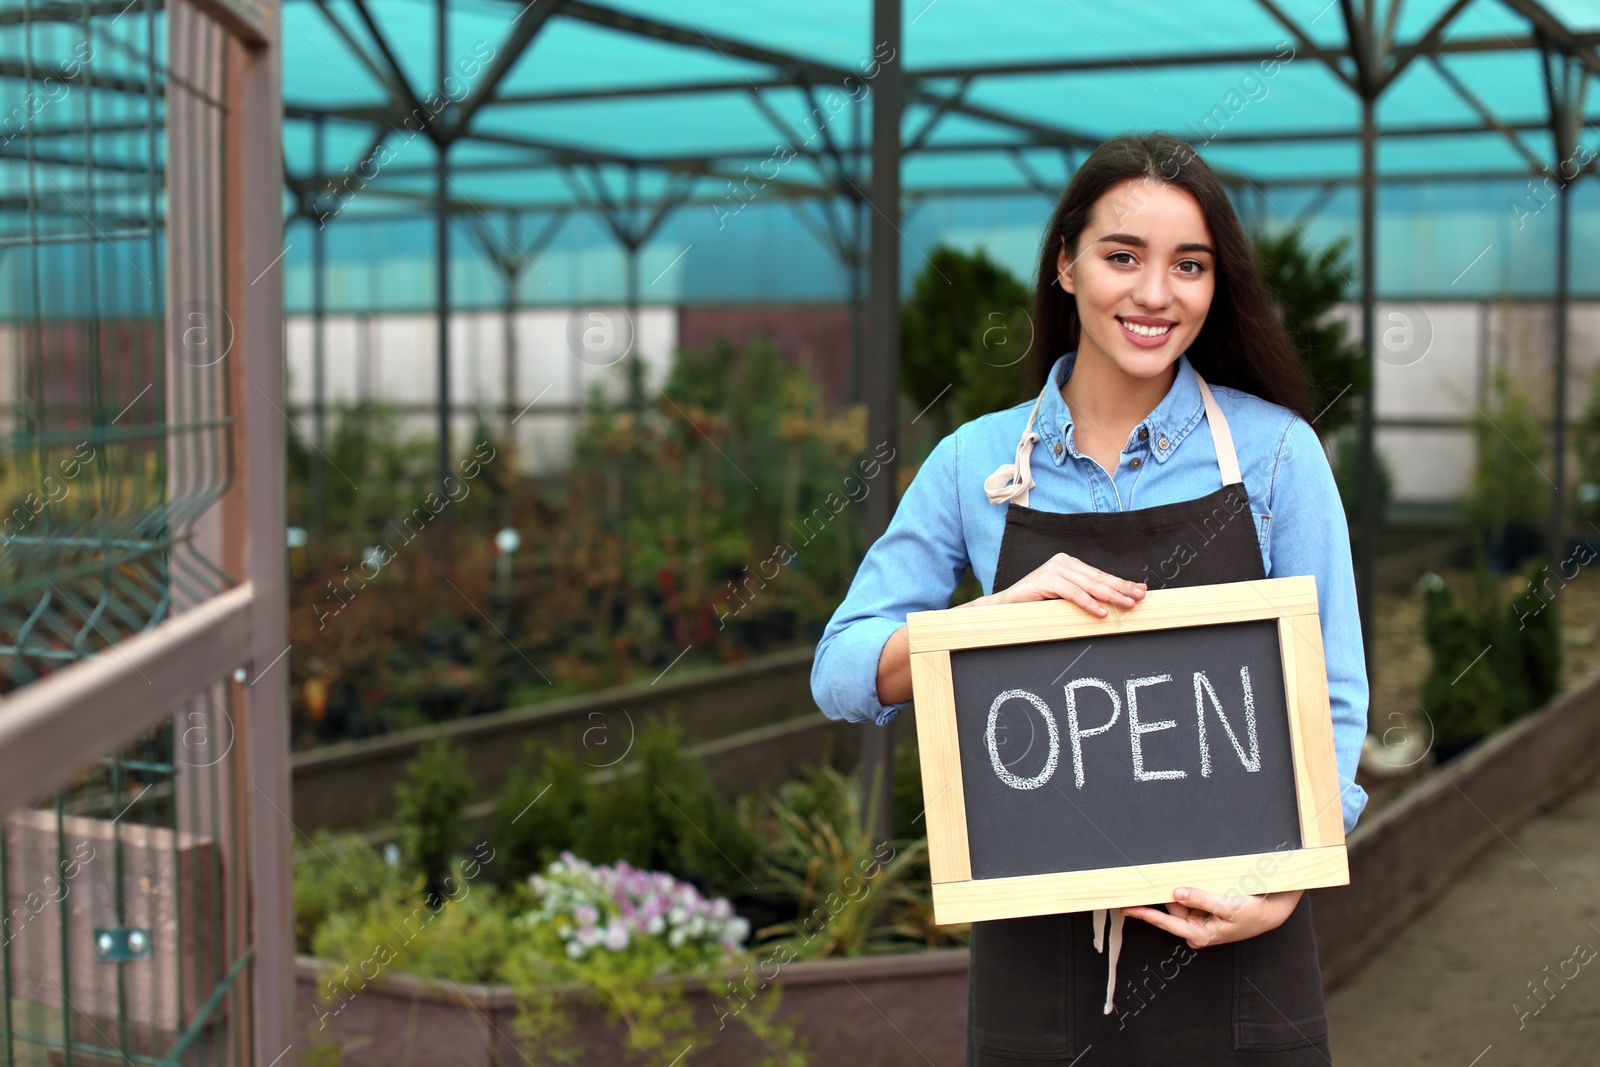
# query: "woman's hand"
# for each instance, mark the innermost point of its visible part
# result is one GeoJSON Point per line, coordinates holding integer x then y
{"type": "Point", "coordinates": [1202, 918]}
{"type": "Point", "coordinates": [1067, 577]}
{"type": "Point", "coordinates": [1060, 577]}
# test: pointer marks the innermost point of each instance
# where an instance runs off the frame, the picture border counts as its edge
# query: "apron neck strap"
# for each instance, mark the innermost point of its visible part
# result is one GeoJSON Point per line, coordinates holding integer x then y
{"type": "Point", "coordinates": [1011, 481]}
{"type": "Point", "coordinates": [1227, 459]}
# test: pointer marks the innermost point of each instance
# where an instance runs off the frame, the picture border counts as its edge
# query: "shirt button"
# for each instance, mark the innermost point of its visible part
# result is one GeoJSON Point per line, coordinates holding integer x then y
{"type": "Point", "coordinates": [1144, 433]}
{"type": "Point", "coordinates": [1135, 462]}
{"type": "Point", "coordinates": [1058, 448]}
{"type": "Point", "coordinates": [1162, 444]}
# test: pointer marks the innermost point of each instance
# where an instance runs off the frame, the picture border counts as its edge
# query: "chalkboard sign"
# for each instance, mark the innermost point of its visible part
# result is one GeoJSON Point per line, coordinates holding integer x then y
{"type": "Point", "coordinates": [1072, 762]}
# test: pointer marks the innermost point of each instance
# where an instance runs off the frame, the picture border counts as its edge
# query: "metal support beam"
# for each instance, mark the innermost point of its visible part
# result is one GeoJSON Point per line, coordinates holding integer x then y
{"type": "Point", "coordinates": [319, 376]}
{"type": "Point", "coordinates": [524, 28]}
{"type": "Point", "coordinates": [441, 229]}
{"type": "Point", "coordinates": [881, 386]}
{"type": "Point", "coordinates": [1566, 88]}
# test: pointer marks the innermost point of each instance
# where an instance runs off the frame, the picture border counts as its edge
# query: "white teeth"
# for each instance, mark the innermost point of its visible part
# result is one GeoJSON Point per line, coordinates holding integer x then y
{"type": "Point", "coordinates": [1146, 331]}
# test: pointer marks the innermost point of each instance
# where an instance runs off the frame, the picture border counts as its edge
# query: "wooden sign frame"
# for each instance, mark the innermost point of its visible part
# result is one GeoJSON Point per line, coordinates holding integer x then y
{"type": "Point", "coordinates": [1291, 602]}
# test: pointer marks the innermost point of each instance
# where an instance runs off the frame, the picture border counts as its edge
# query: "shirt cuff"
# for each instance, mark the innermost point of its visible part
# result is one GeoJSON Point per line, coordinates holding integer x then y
{"type": "Point", "coordinates": [1354, 801]}
{"type": "Point", "coordinates": [851, 671]}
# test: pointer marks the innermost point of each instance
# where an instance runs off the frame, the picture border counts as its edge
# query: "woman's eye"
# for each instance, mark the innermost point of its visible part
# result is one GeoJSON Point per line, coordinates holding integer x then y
{"type": "Point", "coordinates": [1199, 268]}
{"type": "Point", "coordinates": [1113, 257]}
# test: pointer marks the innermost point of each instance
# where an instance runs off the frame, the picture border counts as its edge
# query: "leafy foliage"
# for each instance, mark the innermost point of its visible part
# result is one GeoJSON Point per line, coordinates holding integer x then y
{"type": "Point", "coordinates": [827, 858]}
{"type": "Point", "coordinates": [1586, 442]}
{"type": "Point", "coordinates": [1509, 491]}
{"type": "Point", "coordinates": [964, 333]}
{"type": "Point", "coordinates": [541, 810]}
{"type": "Point", "coordinates": [1493, 659]}
{"type": "Point", "coordinates": [463, 934]}
{"type": "Point", "coordinates": [658, 811]}
{"type": "Point", "coordinates": [334, 873]}
{"type": "Point", "coordinates": [1307, 286]}
{"type": "Point", "coordinates": [429, 807]}
{"type": "Point", "coordinates": [655, 538]}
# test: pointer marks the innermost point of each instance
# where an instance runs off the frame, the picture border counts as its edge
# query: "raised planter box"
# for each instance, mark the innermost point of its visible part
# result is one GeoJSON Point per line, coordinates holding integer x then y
{"type": "Point", "coordinates": [877, 1011]}
{"type": "Point", "coordinates": [350, 785]}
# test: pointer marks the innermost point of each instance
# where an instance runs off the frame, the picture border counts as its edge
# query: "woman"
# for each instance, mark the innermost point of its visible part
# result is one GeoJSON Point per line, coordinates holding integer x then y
{"type": "Point", "coordinates": [1169, 389]}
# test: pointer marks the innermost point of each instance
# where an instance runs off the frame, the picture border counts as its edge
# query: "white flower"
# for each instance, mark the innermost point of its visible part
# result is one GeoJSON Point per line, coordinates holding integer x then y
{"type": "Point", "coordinates": [655, 926]}
{"type": "Point", "coordinates": [616, 937]}
{"type": "Point", "coordinates": [575, 950]}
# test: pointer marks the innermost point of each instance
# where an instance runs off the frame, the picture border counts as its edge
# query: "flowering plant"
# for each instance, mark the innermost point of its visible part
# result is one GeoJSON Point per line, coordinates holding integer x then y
{"type": "Point", "coordinates": [600, 908]}
{"type": "Point", "coordinates": [620, 932]}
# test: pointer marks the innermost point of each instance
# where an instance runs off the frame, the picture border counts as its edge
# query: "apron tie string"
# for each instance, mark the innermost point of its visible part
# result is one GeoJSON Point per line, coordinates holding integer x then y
{"type": "Point", "coordinates": [1011, 481]}
{"type": "Point", "coordinates": [1117, 919]}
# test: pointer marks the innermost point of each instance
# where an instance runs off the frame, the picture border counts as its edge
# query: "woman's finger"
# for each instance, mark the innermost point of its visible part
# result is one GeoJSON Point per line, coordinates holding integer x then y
{"type": "Point", "coordinates": [1172, 924]}
{"type": "Point", "coordinates": [1079, 596]}
{"type": "Point", "coordinates": [1225, 908]}
{"type": "Point", "coordinates": [1106, 586]}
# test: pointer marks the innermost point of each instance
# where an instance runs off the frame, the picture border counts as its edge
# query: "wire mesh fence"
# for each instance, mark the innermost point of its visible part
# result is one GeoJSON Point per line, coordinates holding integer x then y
{"type": "Point", "coordinates": [111, 449]}
{"type": "Point", "coordinates": [124, 932]}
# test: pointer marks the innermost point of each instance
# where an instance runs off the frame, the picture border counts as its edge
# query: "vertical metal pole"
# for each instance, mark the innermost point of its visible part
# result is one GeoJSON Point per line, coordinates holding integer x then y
{"type": "Point", "coordinates": [1557, 537]}
{"type": "Point", "coordinates": [319, 386]}
{"type": "Point", "coordinates": [858, 239]}
{"type": "Point", "coordinates": [441, 220]}
{"type": "Point", "coordinates": [513, 277]}
{"type": "Point", "coordinates": [1366, 584]}
{"type": "Point", "coordinates": [881, 377]}
{"type": "Point", "coordinates": [635, 357]}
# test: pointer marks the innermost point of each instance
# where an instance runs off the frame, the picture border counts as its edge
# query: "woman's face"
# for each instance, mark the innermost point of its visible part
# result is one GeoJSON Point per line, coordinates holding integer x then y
{"type": "Point", "coordinates": [1143, 276]}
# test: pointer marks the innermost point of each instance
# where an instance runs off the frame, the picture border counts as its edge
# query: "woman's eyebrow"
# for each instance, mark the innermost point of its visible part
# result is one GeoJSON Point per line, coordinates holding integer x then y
{"type": "Point", "coordinates": [1139, 242]}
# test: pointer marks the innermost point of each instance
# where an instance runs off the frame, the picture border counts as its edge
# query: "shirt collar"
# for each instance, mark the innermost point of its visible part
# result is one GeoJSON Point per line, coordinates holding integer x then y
{"type": "Point", "coordinates": [1179, 412]}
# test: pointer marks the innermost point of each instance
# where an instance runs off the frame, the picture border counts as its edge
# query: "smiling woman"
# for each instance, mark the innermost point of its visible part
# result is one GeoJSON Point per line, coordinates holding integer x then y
{"type": "Point", "coordinates": [1166, 375]}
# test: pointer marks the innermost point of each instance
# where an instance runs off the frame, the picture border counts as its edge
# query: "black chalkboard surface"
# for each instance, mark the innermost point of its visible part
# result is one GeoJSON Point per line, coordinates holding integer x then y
{"type": "Point", "coordinates": [1072, 762]}
{"type": "Point", "coordinates": [1125, 749]}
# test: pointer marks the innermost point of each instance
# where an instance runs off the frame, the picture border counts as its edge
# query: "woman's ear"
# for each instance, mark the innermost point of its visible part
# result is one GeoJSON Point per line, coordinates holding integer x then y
{"type": "Point", "coordinates": [1064, 267]}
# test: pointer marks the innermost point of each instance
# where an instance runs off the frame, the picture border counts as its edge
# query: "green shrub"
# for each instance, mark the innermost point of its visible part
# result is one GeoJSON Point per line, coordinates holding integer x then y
{"type": "Point", "coordinates": [429, 807]}
{"type": "Point", "coordinates": [465, 933]}
{"type": "Point", "coordinates": [1538, 632]}
{"type": "Point", "coordinates": [1307, 285]}
{"type": "Point", "coordinates": [827, 858]}
{"type": "Point", "coordinates": [659, 811]}
{"type": "Point", "coordinates": [1509, 491]}
{"type": "Point", "coordinates": [1493, 661]}
{"type": "Point", "coordinates": [541, 809]}
{"type": "Point", "coordinates": [1463, 697]}
{"type": "Point", "coordinates": [964, 330]}
{"type": "Point", "coordinates": [334, 873]}
{"type": "Point", "coordinates": [1586, 442]}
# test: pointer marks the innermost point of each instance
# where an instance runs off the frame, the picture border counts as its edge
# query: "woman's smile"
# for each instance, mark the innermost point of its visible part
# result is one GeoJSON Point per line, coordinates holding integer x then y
{"type": "Point", "coordinates": [1144, 331]}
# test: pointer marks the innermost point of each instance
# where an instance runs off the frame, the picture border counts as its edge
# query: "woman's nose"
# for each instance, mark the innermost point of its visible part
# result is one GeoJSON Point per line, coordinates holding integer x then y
{"type": "Point", "coordinates": [1152, 290]}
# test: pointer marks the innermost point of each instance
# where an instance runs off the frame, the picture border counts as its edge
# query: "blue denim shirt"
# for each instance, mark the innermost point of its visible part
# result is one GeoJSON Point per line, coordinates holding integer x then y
{"type": "Point", "coordinates": [945, 522]}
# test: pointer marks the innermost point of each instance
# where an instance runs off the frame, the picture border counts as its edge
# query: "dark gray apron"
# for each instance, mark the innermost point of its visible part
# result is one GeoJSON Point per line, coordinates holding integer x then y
{"type": "Point", "coordinates": [1037, 987]}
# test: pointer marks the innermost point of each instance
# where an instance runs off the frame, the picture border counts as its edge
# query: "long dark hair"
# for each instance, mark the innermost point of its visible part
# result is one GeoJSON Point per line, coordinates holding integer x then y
{"type": "Point", "coordinates": [1243, 343]}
